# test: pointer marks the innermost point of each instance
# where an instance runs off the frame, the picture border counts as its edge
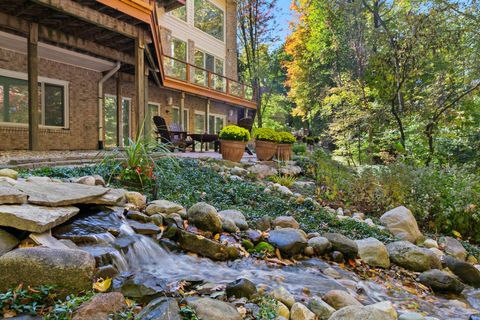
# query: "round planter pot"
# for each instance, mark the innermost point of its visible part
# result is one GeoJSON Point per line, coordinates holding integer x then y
{"type": "Point", "coordinates": [284, 151]}
{"type": "Point", "coordinates": [232, 150]}
{"type": "Point", "coordinates": [266, 150]}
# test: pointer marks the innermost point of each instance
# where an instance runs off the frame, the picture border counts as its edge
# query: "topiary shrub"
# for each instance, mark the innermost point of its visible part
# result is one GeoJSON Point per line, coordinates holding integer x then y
{"type": "Point", "coordinates": [266, 134]}
{"type": "Point", "coordinates": [234, 133]}
{"type": "Point", "coordinates": [286, 137]}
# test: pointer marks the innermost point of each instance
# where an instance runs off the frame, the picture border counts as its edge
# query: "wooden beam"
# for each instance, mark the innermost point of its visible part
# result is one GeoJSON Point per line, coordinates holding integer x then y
{"type": "Point", "coordinates": [91, 16]}
{"type": "Point", "coordinates": [33, 101]}
{"type": "Point", "coordinates": [139, 81]}
{"type": "Point", "coordinates": [56, 36]}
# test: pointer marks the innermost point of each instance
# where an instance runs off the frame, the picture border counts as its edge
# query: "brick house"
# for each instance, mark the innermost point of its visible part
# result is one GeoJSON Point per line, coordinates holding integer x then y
{"type": "Point", "coordinates": [104, 68]}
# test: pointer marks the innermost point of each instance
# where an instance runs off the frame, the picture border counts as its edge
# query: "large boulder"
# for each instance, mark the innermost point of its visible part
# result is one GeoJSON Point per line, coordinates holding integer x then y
{"type": "Point", "coordinates": [464, 270]}
{"type": "Point", "coordinates": [342, 244]}
{"type": "Point", "coordinates": [286, 222]}
{"type": "Point", "coordinates": [63, 268]}
{"type": "Point", "coordinates": [58, 194]}
{"type": "Point", "coordinates": [411, 257]}
{"type": "Point", "coordinates": [360, 313]}
{"type": "Point", "coordinates": [236, 216]}
{"type": "Point", "coordinates": [320, 245]}
{"type": "Point", "coordinates": [440, 281]}
{"type": "Point", "coordinates": [320, 308]}
{"type": "Point", "coordinates": [11, 195]}
{"type": "Point", "coordinates": [402, 224]}
{"type": "Point", "coordinates": [7, 242]}
{"type": "Point", "coordinates": [454, 248]}
{"type": "Point", "coordinates": [203, 246]}
{"type": "Point", "coordinates": [34, 218]}
{"type": "Point", "coordinates": [205, 217]}
{"type": "Point", "coordinates": [210, 309]}
{"type": "Point", "coordinates": [101, 306]}
{"type": "Point", "coordinates": [373, 252]}
{"type": "Point", "coordinates": [301, 312]}
{"type": "Point", "coordinates": [160, 309]}
{"type": "Point", "coordinates": [290, 241]}
{"type": "Point", "coordinates": [339, 299]}
{"type": "Point", "coordinates": [261, 171]}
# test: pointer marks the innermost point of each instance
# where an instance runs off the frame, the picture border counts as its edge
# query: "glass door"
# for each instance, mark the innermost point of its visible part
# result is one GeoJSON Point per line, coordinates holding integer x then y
{"type": "Point", "coordinates": [111, 121]}
{"type": "Point", "coordinates": [153, 109]}
{"type": "Point", "coordinates": [199, 125]}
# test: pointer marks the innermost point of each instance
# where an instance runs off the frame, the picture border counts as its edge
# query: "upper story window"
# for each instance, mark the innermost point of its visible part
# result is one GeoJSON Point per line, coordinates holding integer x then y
{"type": "Point", "coordinates": [14, 100]}
{"type": "Point", "coordinates": [209, 18]}
{"type": "Point", "coordinates": [180, 13]}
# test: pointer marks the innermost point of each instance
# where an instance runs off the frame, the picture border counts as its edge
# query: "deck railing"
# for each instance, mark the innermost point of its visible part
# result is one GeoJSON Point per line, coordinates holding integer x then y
{"type": "Point", "coordinates": [189, 73]}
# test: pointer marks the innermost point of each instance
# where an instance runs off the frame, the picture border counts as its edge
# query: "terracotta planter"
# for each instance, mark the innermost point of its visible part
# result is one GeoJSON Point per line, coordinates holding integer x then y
{"type": "Point", "coordinates": [284, 151]}
{"type": "Point", "coordinates": [232, 150]}
{"type": "Point", "coordinates": [266, 150]}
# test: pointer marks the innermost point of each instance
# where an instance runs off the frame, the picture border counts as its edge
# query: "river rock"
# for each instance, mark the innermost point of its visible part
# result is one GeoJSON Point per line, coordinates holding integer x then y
{"type": "Point", "coordinates": [300, 312]}
{"type": "Point", "coordinates": [205, 217]}
{"type": "Point", "coordinates": [464, 270]}
{"type": "Point", "coordinates": [9, 173]}
{"type": "Point", "coordinates": [11, 195]}
{"type": "Point", "coordinates": [210, 309]}
{"type": "Point", "coordinates": [203, 246]}
{"type": "Point", "coordinates": [386, 307]}
{"type": "Point", "coordinates": [236, 216]}
{"type": "Point", "coordinates": [141, 285]}
{"type": "Point", "coordinates": [290, 241]}
{"type": "Point", "coordinates": [320, 308]}
{"type": "Point", "coordinates": [430, 243]}
{"type": "Point", "coordinates": [454, 248]}
{"type": "Point", "coordinates": [262, 171]}
{"type": "Point", "coordinates": [360, 313]}
{"type": "Point", "coordinates": [64, 268]}
{"type": "Point", "coordinates": [339, 299]}
{"type": "Point", "coordinates": [7, 242]}
{"type": "Point", "coordinates": [160, 309]}
{"type": "Point", "coordinates": [136, 198]}
{"type": "Point", "coordinates": [163, 206]}
{"type": "Point", "coordinates": [241, 288]}
{"type": "Point", "coordinates": [144, 228]}
{"type": "Point", "coordinates": [101, 306]}
{"type": "Point", "coordinates": [290, 170]}
{"type": "Point", "coordinates": [34, 218]}
{"type": "Point", "coordinates": [411, 257]}
{"type": "Point", "coordinates": [57, 194]}
{"type": "Point", "coordinates": [228, 225]}
{"type": "Point", "coordinates": [402, 224]}
{"type": "Point", "coordinates": [341, 243]}
{"type": "Point", "coordinates": [411, 316]}
{"type": "Point", "coordinates": [373, 252]}
{"type": "Point", "coordinates": [440, 281]}
{"type": "Point", "coordinates": [281, 294]}
{"type": "Point", "coordinates": [285, 222]}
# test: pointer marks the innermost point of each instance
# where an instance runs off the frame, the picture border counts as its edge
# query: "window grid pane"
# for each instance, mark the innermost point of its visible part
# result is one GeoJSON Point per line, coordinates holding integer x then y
{"type": "Point", "coordinates": [209, 18]}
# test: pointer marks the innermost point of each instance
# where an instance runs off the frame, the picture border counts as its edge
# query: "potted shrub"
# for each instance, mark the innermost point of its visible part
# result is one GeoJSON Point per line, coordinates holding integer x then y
{"type": "Point", "coordinates": [285, 143]}
{"type": "Point", "coordinates": [233, 141]}
{"type": "Point", "coordinates": [266, 140]}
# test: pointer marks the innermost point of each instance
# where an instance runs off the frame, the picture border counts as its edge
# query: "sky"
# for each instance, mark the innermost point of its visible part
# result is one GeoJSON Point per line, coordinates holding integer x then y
{"type": "Point", "coordinates": [284, 17]}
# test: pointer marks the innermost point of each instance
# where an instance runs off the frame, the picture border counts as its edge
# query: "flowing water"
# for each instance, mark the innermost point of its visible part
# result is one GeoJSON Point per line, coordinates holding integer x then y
{"type": "Point", "coordinates": [303, 279]}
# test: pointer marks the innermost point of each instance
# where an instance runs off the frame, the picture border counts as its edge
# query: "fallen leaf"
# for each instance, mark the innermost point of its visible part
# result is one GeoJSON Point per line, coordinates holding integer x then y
{"type": "Point", "coordinates": [129, 302]}
{"type": "Point", "coordinates": [457, 234]}
{"type": "Point", "coordinates": [278, 254]}
{"type": "Point", "coordinates": [102, 285]}
{"type": "Point", "coordinates": [9, 313]}
{"type": "Point", "coordinates": [217, 236]}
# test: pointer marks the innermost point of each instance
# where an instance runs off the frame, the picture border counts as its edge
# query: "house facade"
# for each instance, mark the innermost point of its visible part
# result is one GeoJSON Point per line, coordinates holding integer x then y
{"type": "Point", "coordinates": [101, 69]}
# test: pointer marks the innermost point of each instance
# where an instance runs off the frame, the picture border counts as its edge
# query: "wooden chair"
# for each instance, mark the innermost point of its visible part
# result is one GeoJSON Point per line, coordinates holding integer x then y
{"type": "Point", "coordinates": [173, 139]}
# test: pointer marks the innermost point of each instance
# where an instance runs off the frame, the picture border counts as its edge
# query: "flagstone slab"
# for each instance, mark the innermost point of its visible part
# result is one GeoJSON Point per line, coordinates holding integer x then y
{"type": "Point", "coordinates": [10, 195]}
{"type": "Point", "coordinates": [111, 198]}
{"type": "Point", "coordinates": [57, 194]}
{"type": "Point", "coordinates": [34, 218]}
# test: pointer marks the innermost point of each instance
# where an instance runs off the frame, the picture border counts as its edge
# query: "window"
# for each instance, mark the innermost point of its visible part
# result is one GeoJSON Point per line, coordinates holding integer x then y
{"type": "Point", "coordinates": [14, 100]}
{"type": "Point", "coordinates": [211, 63]}
{"type": "Point", "coordinates": [180, 13]}
{"type": "Point", "coordinates": [176, 118]}
{"type": "Point", "coordinates": [209, 18]}
{"type": "Point", "coordinates": [111, 121]}
{"type": "Point", "coordinates": [175, 67]}
{"type": "Point", "coordinates": [152, 111]}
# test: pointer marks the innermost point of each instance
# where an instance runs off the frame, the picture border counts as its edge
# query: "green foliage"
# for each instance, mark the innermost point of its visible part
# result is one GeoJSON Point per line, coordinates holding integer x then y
{"type": "Point", "coordinates": [284, 180]}
{"type": "Point", "coordinates": [234, 133]}
{"type": "Point", "coordinates": [266, 134]}
{"type": "Point", "coordinates": [263, 248]}
{"type": "Point", "coordinates": [268, 309]}
{"type": "Point", "coordinates": [63, 310]}
{"type": "Point", "coordinates": [299, 149]}
{"type": "Point", "coordinates": [286, 137]}
{"type": "Point", "coordinates": [188, 313]}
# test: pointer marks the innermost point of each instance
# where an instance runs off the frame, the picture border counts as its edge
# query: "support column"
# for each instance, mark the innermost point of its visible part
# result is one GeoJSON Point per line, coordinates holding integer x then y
{"type": "Point", "coordinates": [182, 108]}
{"type": "Point", "coordinates": [33, 101]}
{"type": "Point", "coordinates": [139, 82]}
{"type": "Point", "coordinates": [207, 116]}
{"type": "Point", "coordinates": [119, 112]}
{"type": "Point", "coordinates": [144, 111]}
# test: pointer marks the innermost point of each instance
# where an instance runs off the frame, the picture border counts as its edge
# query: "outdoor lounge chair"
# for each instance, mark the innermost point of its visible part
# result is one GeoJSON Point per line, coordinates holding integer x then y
{"type": "Point", "coordinates": [173, 139]}
{"type": "Point", "coordinates": [246, 123]}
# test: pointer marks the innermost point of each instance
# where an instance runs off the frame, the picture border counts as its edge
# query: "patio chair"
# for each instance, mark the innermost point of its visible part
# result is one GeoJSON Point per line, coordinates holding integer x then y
{"type": "Point", "coordinates": [173, 139]}
{"type": "Point", "coordinates": [246, 123]}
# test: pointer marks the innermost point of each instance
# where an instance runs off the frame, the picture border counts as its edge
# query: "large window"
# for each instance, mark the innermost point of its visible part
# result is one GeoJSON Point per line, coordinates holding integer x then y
{"type": "Point", "coordinates": [175, 67]}
{"type": "Point", "coordinates": [176, 118]}
{"type": "Point", "coordinates": [213, 64]}
{"type": "Point", "coordinates": [180, 13]}
{"type": "Point", "coordinates": [14, 100]}
{"type": "Point", "coordinates": [209, 18]}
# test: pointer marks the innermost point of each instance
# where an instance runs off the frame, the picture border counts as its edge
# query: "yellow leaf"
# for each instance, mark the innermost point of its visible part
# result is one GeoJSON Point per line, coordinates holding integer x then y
{"type": "Point", "coordinates": [277, 253]}
{"type": "Point", "coordinates": [457, 234]}
{"type": "Point", "coordinates": [102, 285]}
{"type": "Point", "coordinates": [217, 236]}
{"type": "Point", "coordinates": [129, 302]}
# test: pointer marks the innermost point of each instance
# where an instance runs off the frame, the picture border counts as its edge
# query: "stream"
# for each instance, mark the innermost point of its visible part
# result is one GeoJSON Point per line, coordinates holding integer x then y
{"type": "Point", "coordinates": [304, 279]}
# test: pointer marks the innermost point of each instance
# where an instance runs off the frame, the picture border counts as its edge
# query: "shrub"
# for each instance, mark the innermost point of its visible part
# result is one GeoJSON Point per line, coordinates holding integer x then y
{"type": "Point", "coordinates": [286, 137]}
{"type": "Point", "coordinates": [234, 133]}
{"type": "Point", "coordinates": [299, 149]}
{"type": "Point", "coordinates": [266, 134]}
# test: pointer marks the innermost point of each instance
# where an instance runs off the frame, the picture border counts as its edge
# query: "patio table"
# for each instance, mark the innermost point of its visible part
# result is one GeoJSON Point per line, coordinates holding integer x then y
{"type": "Point", "coordinates": [204, 137]}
